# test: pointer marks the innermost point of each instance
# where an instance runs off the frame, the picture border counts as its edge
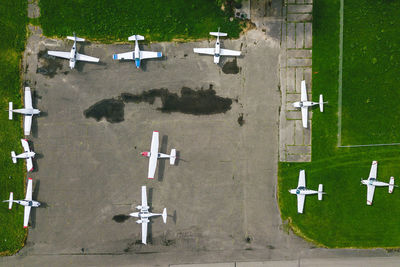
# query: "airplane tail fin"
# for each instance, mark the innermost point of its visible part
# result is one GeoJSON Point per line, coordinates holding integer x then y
{"type": "Point", "coordinates": [391, 184]}
{"type": "Point", "coordinates": [164, 215]}
{"type": "Point", "coordinates": [74, 38]}
{"type": "Point", "coordinates": [218, 33]}
{"type": "Point", "coordinates": [321, 103]}
{"type": "Point", "coordinates": [10, 201]}
{"type": "Point", "coordinates": [10, 110]}
{"type": "Point", "coordinates": [172, 157]}
{"type": "Point", "coordinates": [320, 191]}
{"type": "Point", "coordinates": [13, 157]}
{"type": "Point", "coordinates": [136, 37]}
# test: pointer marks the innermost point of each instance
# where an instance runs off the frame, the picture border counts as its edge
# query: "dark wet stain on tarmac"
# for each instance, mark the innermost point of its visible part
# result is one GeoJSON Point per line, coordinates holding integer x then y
{"type": "Point", "coordinates": [110, 109]}
{"type": "Point", "coordinates": [195, 102]}
{"type": "Point", "coordinates": [50, 64]}
{"type": "Point", "coordinates": [231, 67]}
{"type": "Point", "coordinates": [120, 218]}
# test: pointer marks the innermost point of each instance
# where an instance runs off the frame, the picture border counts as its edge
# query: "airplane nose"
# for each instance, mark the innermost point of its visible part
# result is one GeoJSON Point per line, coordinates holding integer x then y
{"type": "Point", "coordinates": [144, 154]}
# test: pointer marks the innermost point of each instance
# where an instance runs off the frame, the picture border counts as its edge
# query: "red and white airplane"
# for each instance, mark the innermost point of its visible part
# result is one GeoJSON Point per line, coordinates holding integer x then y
{"type": "Point", "coordinates": [28, 155]}
{"type": "Point", "coordinates": [27, 202]}
{"type": "Point", "coordinates": [153, 155]}
{"type": "Point", "coordinates": [371, 182]}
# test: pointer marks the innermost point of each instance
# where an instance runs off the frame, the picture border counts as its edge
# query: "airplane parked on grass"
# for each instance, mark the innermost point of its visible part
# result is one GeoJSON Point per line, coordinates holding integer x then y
{"type": "Point", "coordinates": [144, 215]}
{"type": "Point", "coordinates": [153, 155]}
{"type": "Point", "coordinates": [371, 182]}
{"type": "Point", "coordinates": [28, 155]}
{"type": "Point", "coordinates": [304, 104]}
{"type": "Point", "coordinates": [27, 202]}
{"type": "Point", "coordinates": [137, 55]}
{"type": "Point", "coordinates": [301, 191]}
{"type": "Point", "coordinates": [217, 51]}
{"type": "Point", "coordinates": [73, 55]}
{"type": "Point", "coordinates": [28, 111]}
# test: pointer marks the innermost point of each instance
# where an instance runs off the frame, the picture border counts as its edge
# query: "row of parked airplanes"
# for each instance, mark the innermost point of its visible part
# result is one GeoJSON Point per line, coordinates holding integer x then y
{"type": "Point", "coordinates": [301, 191]}
{"type": "Point", "coordinates": [137, 55]}
{"type": "Point", "coordinates": [28, 155]}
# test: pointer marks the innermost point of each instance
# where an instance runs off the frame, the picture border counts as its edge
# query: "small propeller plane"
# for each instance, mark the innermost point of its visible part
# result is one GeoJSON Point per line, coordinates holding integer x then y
{"type": "Point", "coordinates": [28, 155]}
{"type": "Point", "coordinates": [28, 111]}
{"type": "Point", "coordinates": [153, 155]}
{"type": "Point", "coordinates": [27, 202]}
{"type": "Point", "coordinates": [217, 51]}
{"type": "Point", "coordinates": [304, 104]}
{"type": "Point", "coordinates": [73, 56]}
{"type": "Point", "coordinates": [371, 182]}
{"type": "Point", "coordinates": [144, 215]}
{"type": "Point", "coordinates": [301, 191]}
{"type": "Point", "coordinates": [137, 55]}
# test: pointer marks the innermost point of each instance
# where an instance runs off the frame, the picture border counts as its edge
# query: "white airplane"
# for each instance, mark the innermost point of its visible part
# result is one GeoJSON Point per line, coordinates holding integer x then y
{"type": "Point", "coordinates": [144, 215]}
{"type": "Point", "coordinates": [27, 202]}
{"type": "Point", "coordinates": [217, 51]}
{"type": "Point", "coordinates": [137, 55]}
{"type": "Point", "coordinates": [301, 191]}
{"type": "Point", "coordinates": [304, 104]}
{"type": "Point", "coordinates": [28, 155]}
{"type": "Point", "coordinates": [371, 182]}
{"type": "Point", "coordinates": [73, 56]}
{"type": "Point", "coordinates": [154, 155]}
{"type": "Point", "coordinates": [28, 111]}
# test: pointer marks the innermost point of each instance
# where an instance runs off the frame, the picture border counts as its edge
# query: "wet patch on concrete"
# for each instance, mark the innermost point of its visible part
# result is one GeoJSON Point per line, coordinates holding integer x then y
{"type": "Point", "coordinates": [240, 119]}
{"type": "Point", "coordinates": [110, 109]}
{"type": "Point", "coordinates": [231, 67]}
{"type": "Point", "coordinates": [121, 218]}
{"type": "Point", "coordinates": [49, 64]}
{"type": "Point", "coordinates": [195, 102]}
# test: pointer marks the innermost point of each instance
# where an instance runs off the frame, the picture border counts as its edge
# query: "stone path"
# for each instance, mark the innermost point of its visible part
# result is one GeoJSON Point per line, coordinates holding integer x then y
{"type": "Point", "coordinates": [295, 66]}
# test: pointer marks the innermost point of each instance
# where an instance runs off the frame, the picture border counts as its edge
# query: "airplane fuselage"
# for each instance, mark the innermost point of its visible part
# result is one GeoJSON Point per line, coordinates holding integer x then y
{"type": "Point", "coordinates": [137, 54]}
{"type": "Point", "coordinates": [374, 182]}
{"type": "Point", "coordinates": [27, 111]}
{"type": "Point", "coordinates": [31, 203]}
{"type": "Point", "coordinates": [302, 191]}
{"type": "Point", "coordinates": [26, 155]}
{"type": "Point", "coordinates": [72, 59]}
{"type": "Point", "coordinates": [301, 104]}
{"type": "Point", "coordinates": [217, 51]}
{"type": "Point", "coordinates": [159, 155]}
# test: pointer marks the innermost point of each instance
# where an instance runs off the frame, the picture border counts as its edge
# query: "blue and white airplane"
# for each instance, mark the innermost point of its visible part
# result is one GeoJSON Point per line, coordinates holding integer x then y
{"type": "Point", "coordinates": [137, 55]}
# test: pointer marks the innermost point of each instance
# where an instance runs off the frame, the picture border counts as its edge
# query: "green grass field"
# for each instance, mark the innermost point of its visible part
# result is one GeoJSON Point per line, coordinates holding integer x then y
{"type": "Point", "coordinates": [13, 19]}
{"type": "Point", "coordinates": [157, 20]}
{"type": "Point", "coordinates": [343, 219]}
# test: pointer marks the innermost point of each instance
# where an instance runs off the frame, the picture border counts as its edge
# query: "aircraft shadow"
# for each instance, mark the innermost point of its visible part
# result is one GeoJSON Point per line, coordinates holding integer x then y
{"type": "Point", "coordinates": [161, 163]}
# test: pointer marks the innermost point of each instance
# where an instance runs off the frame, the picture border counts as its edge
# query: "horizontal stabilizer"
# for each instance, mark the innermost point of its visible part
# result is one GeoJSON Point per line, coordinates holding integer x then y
{"type": "Point", "coordinates": [10, 108]}
{"type": "Point", "coordinates": [172, 156]}
{"type": "Point", "coordinates": [136, 37]}
{"type": "Point", "coordinates": [75, 39]}
{"type": "Point", "coordinates": [321, 103]}
{"type": "Point", "coordinates": [13, 157]}
{"type": "Point", "coordinates": [164, 215]}
{"type": "Point", "coordinates": [10, 201]}
{"type": "Point", "coordinates": [391, 184]}
{"type": "Point", "coordinates": [218, 34]}
{"type": "Point", "coordinates": [320, 191]}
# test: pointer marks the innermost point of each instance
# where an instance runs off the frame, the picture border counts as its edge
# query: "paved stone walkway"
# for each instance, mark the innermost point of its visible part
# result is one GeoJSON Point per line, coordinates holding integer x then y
{"type": "Point", "coordinates": [295, 66]}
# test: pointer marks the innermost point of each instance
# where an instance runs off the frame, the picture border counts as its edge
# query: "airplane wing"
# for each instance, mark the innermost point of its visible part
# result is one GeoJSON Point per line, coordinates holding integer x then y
{"type": "Point", "coordinates": [28, 98]}
{"type": "Point", "coordinates": [27, 211]}
{"type": "Point", "coordinates": [27, 124]}
{"type": "Point", "coordinates": [29, 190]}
{"type": "Point", "coordinates": [149, 54]}
{"type": "Point", "coordinates": [82, 57]}
{"type": "Point", "coordinates": [304, 116]}
{"type": "Point", "coordinates": [303, 91]}
{"type": "Point", "coordinates": [302, 178]}
{"type": "Point", "coordinates": [300, 203]}
{"type": "Point", "coordinates": [207, 51]}
{"type": "Point", "coordinates": [25, 145]}
{"type": "Point", "coordinates": [153, 155]}
{"type": "Point", "coordinates": [374, 168]}
{"type": "Point", "coordinates": [227, 52]}
{"type": "Point", "coordinates": [370, 194]}
{"type": "Point", "coordinates": [126, 56]}
{"type": "Point", "coordinates": [144, 232]}
{"type": "Point", "coordinates": [29, 164]}
{"type": "Point", "coordinates": [66, 55]}
{"type": "Point", "coordinates": [144, 197]}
